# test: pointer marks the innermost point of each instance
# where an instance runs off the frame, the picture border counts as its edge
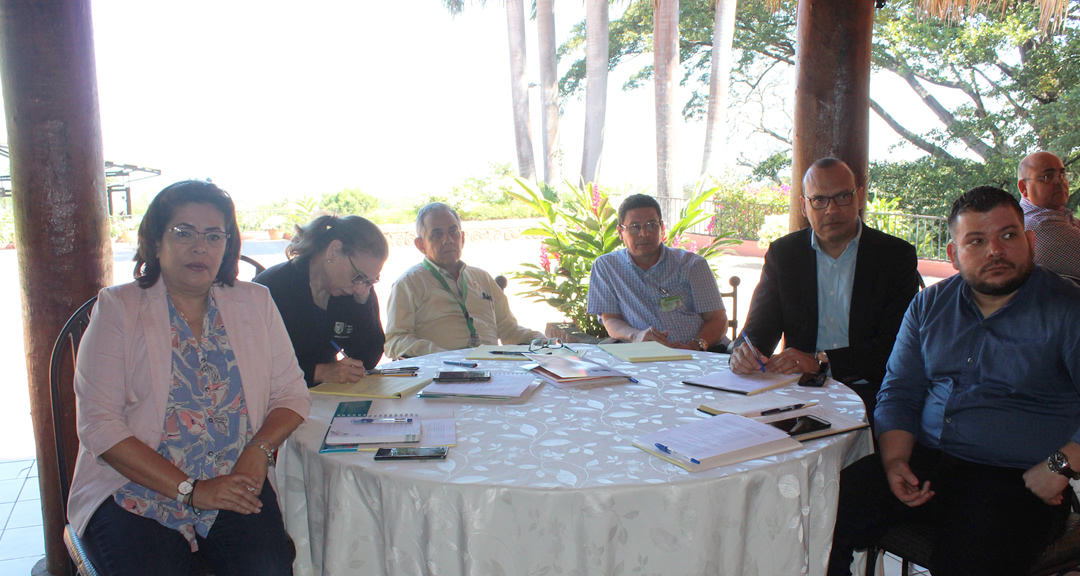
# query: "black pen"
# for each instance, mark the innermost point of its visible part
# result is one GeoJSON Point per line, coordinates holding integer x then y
{"type": "Point", "coordinates": [506, 352]}
{"type": "Point", "coordinates": [784, 409]}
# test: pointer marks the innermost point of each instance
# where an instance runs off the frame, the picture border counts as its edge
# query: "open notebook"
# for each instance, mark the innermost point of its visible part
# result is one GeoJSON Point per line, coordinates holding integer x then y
{"type": "Point", "coordinates": [716, 441]}
{"type": "Point", "coordinates": [354, 424]}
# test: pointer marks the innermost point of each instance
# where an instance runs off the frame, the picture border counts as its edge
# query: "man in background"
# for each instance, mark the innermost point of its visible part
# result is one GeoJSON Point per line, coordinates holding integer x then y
{"type": "Point", "coordinates": [442, 304]}
{"type": "Point", "coordinates": [1044, 185]}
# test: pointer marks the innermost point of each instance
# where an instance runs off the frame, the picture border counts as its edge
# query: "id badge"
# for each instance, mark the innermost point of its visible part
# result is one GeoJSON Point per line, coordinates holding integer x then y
{"type": "Point", "coordinates": [671, 303]}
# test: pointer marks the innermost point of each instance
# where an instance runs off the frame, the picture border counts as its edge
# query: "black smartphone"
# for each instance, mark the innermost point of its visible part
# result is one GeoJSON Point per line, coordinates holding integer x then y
{"type": "Point", "coordinates": [412, 453]}
{"type": "Point", "coordinates": [452, 376]}
{"type": "Point", "coordinates": [801, 424]}
{"type": "Point", "coordinates": [815, 379]}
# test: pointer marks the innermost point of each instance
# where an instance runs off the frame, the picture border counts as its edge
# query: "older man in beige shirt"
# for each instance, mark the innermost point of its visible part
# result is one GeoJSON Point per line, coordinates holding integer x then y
{"type": "Point", "coordinates": [442, 304]}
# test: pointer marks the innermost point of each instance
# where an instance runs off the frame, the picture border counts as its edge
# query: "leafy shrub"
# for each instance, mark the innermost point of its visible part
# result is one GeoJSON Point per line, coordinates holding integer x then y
{"type": "Point", "coordinates": [741, 208]}
{"type": "Point", "coordinates": [349, 201]}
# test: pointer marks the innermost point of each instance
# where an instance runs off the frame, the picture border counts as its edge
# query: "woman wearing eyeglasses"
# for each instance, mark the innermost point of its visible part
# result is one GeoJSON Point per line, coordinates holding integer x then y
{"type": "Point", "coordinates": [326, 297]}
{"type": "Point", "coordinates": [186, 385]}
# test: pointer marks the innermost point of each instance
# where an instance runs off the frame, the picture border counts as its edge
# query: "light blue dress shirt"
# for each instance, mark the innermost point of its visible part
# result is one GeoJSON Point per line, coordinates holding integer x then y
{"type": "Point", "coordinates": [835, 278]}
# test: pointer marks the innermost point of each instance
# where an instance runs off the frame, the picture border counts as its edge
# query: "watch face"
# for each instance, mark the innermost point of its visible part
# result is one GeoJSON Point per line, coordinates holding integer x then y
{"type": "Point", "coordinates": [184, 487]}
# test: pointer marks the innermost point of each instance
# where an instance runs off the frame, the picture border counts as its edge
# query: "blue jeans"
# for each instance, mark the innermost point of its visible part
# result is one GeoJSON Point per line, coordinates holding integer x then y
{"type": "Point", "coordinates": [121, 543]}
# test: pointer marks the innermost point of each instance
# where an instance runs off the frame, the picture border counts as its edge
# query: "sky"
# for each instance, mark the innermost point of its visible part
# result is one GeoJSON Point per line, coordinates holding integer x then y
{"type": "Point", "coordinates": [277, 99]}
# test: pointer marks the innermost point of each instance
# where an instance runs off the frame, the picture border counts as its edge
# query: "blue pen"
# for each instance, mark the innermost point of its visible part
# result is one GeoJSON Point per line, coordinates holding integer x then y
{"type": "Point", "coordinates": [381, 420]}
{"type": "Point", "coordinates": [465, 364]}
{"type": "Point", "coordinates": [667, 450]}
{"type": "Point", "coordinates": [757, 355]}
{"type": "Point", "coordinates": [339, 349]}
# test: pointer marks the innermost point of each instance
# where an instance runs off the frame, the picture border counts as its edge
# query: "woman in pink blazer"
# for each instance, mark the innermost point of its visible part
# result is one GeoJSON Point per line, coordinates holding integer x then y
{"type": "Point", "coordinates": [186, 384]}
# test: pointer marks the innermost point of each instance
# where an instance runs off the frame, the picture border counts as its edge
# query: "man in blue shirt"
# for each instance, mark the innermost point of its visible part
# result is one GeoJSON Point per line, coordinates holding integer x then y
{"type": "Point", "coordinates": [979, 414]}
{"type": "Point", "coordinates": [836, 291]}
{"type": "Point", "coordinates": [649, 291]}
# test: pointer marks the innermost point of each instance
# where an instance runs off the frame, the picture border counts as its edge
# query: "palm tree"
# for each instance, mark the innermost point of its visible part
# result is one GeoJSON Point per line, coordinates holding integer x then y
{"type": "Point", "coordinates": [665, 63]}
{"type": "Point", "coordinates": [596, 73]}
{"type": "Point", "coordinates": [515, 21]}
{"type": "Point", "coordinates": [719, 81]}
{"type": "Point", "coordinates": [549, 89]}
{"type": "Point", "coordinates": [519, 87]}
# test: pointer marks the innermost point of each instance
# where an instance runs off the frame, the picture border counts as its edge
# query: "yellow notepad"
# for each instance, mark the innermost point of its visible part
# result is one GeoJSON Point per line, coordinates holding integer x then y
{"type": "Point", "coordinates": [375, 386]}
{"type": "Point", "coordinates": [645, 352]}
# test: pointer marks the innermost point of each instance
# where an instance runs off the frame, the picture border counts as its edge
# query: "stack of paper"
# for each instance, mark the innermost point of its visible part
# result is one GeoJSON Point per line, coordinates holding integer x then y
{"type": "Point", "coordinates": [751, 406]}
{"type": "Point", "coordinates": [716, 441]}
{"type": "Point", "coordinates": [645, 352]}
{"type": "Point", "coordinates": [503, 386]}
{"type": "Point", "coordinates": [754, 383]}
{"type": "Point", "coordinates": [571, 371]}
{"type": "Point", "coordinates": [375, 386]}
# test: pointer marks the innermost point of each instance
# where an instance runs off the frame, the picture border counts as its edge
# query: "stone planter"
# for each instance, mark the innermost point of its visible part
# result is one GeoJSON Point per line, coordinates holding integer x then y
{"type": "Point", "coordinates": [275, 234]}
{"type": "Point", "coordinates": [569, 333]}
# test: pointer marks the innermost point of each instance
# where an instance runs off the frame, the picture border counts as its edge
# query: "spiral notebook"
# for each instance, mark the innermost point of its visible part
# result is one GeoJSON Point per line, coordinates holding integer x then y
{"type": "Point", "coordinates": [353, 425]}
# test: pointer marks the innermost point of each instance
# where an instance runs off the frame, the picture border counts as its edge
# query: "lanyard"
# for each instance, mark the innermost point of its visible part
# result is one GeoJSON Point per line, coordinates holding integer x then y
{"type": "Point", "coordinates": [460, 300]}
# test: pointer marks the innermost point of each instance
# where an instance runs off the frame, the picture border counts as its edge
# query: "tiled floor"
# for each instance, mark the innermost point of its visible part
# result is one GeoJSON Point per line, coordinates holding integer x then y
{"type": "Point", "coordinates": [22, 543]}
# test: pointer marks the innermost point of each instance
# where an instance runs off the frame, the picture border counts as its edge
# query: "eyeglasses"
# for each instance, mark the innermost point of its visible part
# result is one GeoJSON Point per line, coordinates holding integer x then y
{"type": "Point", "coordinates": [1067, 177]}
{"type": "Point", "coordinates": [188, 236]}
{"type": "Point", "coordinates": [822, 202]}
{"type": "Point", "coordinates": [635, 229]}
{"type": "Point", "coordinates": [360, 277]}
{"type": "Point", "coordinates": [551, 343]}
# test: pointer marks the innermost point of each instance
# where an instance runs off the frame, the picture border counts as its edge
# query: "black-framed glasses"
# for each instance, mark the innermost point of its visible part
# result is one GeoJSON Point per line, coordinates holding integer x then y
{"type": "Point", "coordinates": [651, 227]}
{"type": "Point", "coordinates": [360, 277]}
{"type": "Point", "coordinates": [1062, 175]}
{"type": "Point", "coordinates": [187, 236]}
{"type": "Point", "coordinates": [822, 202]}
{"type": "Point", "coordinates": [550, 343]}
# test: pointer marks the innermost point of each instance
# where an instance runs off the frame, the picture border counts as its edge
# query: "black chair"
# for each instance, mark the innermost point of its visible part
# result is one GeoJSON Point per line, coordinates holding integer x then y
{"type": "Point", "coordinates": [259, 268]}
{"type": "Point", "coordinates": [68, 342]}
{"type": "Point", "coordinates": [733, 312]}
{"type": "Point", "coordinates": [913, 543]}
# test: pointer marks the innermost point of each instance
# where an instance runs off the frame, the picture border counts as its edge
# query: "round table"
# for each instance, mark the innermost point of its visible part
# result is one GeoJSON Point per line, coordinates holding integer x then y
{"type": "Point", "coordinates": [553, 486]}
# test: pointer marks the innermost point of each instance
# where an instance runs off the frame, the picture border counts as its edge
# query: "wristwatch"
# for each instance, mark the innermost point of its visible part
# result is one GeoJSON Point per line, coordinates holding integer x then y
{"type": "Point", "coordinates": [1059, 464]}
{"type": "Point", "coordinates": [822, 360]}
{"type": "Point", "coordinates": [183, 489]}
{"type": "Point", "coordinates": [702, 344]}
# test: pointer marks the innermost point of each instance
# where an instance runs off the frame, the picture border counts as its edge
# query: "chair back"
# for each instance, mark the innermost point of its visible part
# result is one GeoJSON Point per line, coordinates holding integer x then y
{"type": "Point", "coordinates": [259, 268]}
{"type": "Point", "coordinates": [66, 346]}
{"type": "Point", "coordinates": [733, 312]}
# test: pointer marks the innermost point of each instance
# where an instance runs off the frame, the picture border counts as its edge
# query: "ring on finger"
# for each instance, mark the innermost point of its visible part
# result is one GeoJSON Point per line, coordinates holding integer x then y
{"type": "Point", "coordinates": [250, 489]}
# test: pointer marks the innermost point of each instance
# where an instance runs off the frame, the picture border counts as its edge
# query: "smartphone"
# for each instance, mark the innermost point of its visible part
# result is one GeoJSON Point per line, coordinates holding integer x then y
{"type": "Point", "coordinates": [452, 376]}
{"type": "Point", "coordinates": [412, 453]}
{"type": "Point", "coordinates": [815, 379]}
{"type": "Point", "coordinates": [801, 424]}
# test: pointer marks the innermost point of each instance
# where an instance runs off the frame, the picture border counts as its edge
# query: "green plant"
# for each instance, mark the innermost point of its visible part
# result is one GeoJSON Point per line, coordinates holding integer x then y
{"type": "Point", "coordinates": [577, 231]}
{"type": "Point", "coordinates": [350, 201]}
{"type": "Point", "coordinates": [741, 208]}
{"type": "Point", "coordinates": [303, 210]}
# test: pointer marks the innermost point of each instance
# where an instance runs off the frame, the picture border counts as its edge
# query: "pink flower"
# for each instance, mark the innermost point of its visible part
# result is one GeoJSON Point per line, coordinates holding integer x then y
{"type": "Point", "coordinates": [692, 247]}
{"type": "Point", "coordinates": [712, 225]}
{"type": "Point", "coordinates": [595, 199]}
{"type": "Point", "coordinates": [545, 263]}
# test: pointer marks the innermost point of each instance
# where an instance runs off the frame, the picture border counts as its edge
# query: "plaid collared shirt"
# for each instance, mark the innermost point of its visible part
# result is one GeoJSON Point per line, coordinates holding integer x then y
{"type": "Point", "coordinates": [1057, 238]}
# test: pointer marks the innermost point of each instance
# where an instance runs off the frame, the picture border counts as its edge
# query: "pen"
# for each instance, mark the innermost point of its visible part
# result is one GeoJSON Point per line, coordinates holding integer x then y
{"type": "Point", "coordinates": [784, 409]}
{"type": "Point", "coordinates": [381, 420]}
{"type": "Point", "coordinates": [757, 355]}
{"type": "Point", "coordinates": [667, 450]}
{"type": "Point", "coordinates": [465, 364]}
{"type": "Point", "coordinates": [339, 349]}
{"type": "Point", "coordinates": [401, 371]}
{"type": "Point", "coordinates": [506, 352]}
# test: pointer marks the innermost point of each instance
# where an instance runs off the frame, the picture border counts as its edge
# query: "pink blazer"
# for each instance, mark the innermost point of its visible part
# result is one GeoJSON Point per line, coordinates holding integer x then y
{"type": "Point", "coordinates": [124, 371]}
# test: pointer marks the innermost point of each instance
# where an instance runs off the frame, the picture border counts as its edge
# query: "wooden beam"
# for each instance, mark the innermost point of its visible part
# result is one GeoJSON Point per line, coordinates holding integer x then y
{"type": "Point", "coordinates": [832, 91]}
{"type": "Point", "coordinates": [58, 192]}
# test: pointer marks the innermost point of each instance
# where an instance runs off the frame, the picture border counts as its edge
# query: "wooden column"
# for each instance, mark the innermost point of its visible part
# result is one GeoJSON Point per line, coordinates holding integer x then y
{"type": "Point", "coordinates": [832, 90]}
{"type": "Point", "coordinates": [58, 188]}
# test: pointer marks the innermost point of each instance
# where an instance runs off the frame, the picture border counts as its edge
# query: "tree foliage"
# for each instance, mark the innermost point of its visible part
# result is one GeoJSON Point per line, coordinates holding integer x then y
{"type": "Point", "coordinates": [1018, 87]}
{"type": "Point", "coordinates": [350, 201]}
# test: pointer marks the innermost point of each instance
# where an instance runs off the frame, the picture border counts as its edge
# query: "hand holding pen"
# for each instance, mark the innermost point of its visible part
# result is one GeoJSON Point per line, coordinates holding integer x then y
{"type": "Point", "coordinates": [345, 369]}
{"type": "Point", "coordinates": [745, 356]}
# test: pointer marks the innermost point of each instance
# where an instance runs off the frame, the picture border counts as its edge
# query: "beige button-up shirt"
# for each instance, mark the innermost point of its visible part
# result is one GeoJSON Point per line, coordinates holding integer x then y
{"type": "Point", "coordinates": [423, 318]}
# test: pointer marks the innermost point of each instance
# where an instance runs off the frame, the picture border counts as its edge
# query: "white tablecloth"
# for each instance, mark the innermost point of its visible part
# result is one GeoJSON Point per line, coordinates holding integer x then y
{"type": "Point", "coordinates": [554, 486]}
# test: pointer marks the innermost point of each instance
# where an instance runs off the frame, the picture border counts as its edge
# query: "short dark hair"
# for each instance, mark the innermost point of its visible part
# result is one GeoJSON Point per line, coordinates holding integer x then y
{"type": "Point", "coordinates": [983, 199]}
{"type": "Point", "coordinates": [358, 235]}
{"type": "Point", "coordinates": [635, 201]}
{"type": "Point", "coordinates": [161, 209]}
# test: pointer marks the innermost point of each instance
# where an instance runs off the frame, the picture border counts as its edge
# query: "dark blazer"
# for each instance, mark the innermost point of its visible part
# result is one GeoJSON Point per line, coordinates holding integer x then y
{"type": "Point", "coordinates": [355, 327]}
{"type": "Point", "coordinates": [785, 301]}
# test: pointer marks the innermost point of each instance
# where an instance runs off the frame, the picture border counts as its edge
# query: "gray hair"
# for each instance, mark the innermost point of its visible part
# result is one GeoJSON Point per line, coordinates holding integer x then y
{"type": "Point", "coordinates": [433, 208]}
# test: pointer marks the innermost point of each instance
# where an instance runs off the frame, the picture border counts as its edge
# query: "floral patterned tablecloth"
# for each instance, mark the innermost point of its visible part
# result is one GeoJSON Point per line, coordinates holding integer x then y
{"type": "Point", "coordinates": [554, 486]}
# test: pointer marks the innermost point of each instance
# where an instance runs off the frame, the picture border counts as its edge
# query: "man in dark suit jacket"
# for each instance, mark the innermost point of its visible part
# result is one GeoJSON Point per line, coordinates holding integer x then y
{"type": "Point", "coordinates": [868, 279]}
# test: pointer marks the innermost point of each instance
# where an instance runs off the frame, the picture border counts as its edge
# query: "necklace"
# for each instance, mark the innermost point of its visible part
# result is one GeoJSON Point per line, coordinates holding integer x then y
{"type": "Point", "coordinates": [184, 316]}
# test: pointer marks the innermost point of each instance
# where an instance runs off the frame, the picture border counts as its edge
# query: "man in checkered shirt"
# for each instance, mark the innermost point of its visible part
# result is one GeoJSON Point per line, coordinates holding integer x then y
{"type": "Point", "coordinates": [648, 291]}
{"type": "Point", "coordinates": [1044, 185]}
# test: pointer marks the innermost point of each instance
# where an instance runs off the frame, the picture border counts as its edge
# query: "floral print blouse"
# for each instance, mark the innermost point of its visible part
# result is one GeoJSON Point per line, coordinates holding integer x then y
{"type": "Point", "coordinates": [206, 422]}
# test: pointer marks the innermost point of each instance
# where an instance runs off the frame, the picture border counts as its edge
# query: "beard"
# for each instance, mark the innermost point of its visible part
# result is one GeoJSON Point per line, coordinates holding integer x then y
{"type": "Point", "coordinates": [1008, 286]}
